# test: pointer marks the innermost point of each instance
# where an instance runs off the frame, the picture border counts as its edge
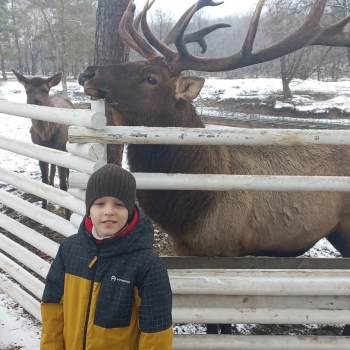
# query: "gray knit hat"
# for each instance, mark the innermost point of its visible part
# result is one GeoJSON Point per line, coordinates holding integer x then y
{"type": "Point", "coordinates": [111, 180]}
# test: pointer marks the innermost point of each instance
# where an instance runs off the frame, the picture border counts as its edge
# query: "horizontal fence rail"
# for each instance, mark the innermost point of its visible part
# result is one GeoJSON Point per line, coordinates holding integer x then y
{"type": "Point", "coordinates": [258, 342]}
{"type": "Point", "coordinates": [49, 155]}
{"type": "Point", "coordinates": [65, 116]}
{"type": "Point", "coordinates": [212, 182]}
{"type": "Point", "coordinates": [28, 235]}
{"type": "Point", "coordinates": [263, 282]}
{"type": "Point", "coordinates": [37, 214]}
{"type": "Point", "coordinates": [201, 136]}
{"type": "Point", "coordinates": [24, 277]}
{"type": "Point", "coordinates": [20, 296]}
{"type": "Point", "coordinates": [42, 190]}
{"type": "Point", "coordinates": [27, 258]}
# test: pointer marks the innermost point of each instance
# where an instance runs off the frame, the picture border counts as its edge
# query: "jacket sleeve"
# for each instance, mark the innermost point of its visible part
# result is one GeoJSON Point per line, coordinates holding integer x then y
{"type": "Point", "coordinates": [52, 307]}
{"type": "Point", "coordinates": [155, 319]}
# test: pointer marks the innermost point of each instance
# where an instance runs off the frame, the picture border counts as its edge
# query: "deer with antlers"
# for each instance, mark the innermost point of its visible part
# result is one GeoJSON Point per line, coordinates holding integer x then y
{"type": "Point", "coordinates": [44, 133]}
{"type": "Point", "coordinates": [154, 93]}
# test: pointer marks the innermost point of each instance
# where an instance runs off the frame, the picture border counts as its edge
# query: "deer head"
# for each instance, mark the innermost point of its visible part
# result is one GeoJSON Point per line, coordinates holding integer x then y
{"type": "Point", "coordinates": [147, 92]}
{"type": "Point", "coordinates": [37, 89]}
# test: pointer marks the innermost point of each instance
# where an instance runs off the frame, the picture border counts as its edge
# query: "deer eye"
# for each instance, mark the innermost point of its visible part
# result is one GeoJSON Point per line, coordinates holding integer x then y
{"type": "Point", "coordinates": [27, 91]}
{"type": "Point", "coordinates": [151, 80]}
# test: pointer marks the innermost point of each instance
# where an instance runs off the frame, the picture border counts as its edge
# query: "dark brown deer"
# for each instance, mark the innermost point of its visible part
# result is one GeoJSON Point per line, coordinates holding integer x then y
{"type": "Point", "coordinates": [154, 93]}
{"type": "Point", "coordinates": [44, 133]}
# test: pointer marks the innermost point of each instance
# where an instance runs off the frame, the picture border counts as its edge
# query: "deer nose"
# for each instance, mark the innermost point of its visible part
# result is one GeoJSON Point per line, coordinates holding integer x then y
{"type": "Point", "coordinates": [84, 77]}
{"type": "Point", "coordinates": [38, 102]}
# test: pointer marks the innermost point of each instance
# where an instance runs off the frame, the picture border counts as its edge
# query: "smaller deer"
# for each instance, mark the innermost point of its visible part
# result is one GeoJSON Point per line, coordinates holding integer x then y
{"type": "Point", "coordinates": [44, 133]}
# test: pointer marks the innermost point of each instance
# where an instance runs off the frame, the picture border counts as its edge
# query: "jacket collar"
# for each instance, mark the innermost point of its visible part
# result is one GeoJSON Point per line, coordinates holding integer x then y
{"type": "Point", "coordinates": [89, 226]}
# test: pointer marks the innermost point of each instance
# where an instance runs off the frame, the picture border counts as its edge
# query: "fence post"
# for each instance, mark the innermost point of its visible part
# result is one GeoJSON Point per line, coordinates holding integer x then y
{"type": "Point", "coordinates": [97, 106]}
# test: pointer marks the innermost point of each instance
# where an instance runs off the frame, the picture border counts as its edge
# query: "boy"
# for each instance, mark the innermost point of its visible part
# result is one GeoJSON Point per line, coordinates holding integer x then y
{"type": "Point", "coordinates": [107, 289]}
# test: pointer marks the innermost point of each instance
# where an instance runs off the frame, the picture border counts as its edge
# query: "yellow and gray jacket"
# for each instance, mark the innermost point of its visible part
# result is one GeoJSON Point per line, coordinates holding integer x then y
{"type": "Point", "coordinates": [112, 296]}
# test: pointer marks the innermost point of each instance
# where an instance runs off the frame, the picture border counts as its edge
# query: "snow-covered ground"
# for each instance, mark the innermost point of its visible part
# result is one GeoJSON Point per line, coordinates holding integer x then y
{"type": "Point", "coordinates": [337, 93]}
{"type": "Point", "coordinates": [17, 329]}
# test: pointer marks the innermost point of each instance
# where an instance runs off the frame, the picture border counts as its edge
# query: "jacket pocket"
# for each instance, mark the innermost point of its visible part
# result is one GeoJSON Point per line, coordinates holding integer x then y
{"type": "Point", "coordinates": [114, 304]}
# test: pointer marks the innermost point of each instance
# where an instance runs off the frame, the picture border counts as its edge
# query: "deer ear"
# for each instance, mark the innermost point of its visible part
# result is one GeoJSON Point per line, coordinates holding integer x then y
{"type": "Point", "coordinates": [188, 88]}
{"type": "Point", "coordinates": [54, 80]}
{"type": "Point", "coordinates": [21, 79]}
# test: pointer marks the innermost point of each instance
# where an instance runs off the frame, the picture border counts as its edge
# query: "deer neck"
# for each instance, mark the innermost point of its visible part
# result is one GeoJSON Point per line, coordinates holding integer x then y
{"type": "Point", "coordinates": [175, 158]}
{"type": "Point", "coordinates": [44, 130]}
{"type": "Point", "coordinates": [183, 116]}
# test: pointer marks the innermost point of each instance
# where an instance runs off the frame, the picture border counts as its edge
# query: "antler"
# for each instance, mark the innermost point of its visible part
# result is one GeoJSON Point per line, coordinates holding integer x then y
{"type": "Point", "coordinates": [131, 37]}
{"type": "Point", "coordinates": [195, 37]}
{"type": "Point", "coordinates": [177, 37]}
{"type": "Point", "coordinates": [198, 36]}
{"type": "Point", "coordinates": [310, 33]}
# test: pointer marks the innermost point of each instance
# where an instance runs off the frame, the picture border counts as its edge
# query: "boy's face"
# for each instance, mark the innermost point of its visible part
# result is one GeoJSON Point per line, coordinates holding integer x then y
{"type": "Point", "coordinates": [108, 215]}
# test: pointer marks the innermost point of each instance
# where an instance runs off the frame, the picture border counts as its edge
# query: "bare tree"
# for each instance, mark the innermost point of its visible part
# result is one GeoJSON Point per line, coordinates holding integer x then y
{"type": "Point", "coordinates": [282, 17]}
{"type": "Point", "coordinates": [161, 23]}
{"type": "Point", "coordinates": [4, 33]}
{"type": "Point", "coordinates": [110, 49]}
{"type": "Point", "coordinates": [2, 63]}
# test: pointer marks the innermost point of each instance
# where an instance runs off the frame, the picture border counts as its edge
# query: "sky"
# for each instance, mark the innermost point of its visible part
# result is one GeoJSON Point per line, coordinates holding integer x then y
{"type": "Point", "coordinates": [178, 7]}
{"type": "Point", "coordinates": [16, 328]}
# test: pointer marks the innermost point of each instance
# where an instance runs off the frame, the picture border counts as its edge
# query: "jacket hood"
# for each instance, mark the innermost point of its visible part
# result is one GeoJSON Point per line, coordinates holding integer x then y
{"type": "Point", "coordinates": [140, 237]}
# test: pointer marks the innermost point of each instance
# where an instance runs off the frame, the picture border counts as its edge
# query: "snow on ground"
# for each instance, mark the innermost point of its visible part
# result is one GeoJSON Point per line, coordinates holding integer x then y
{"type": "Point", "coordinates": [338, 92]}
{"type": "Point", "coordinates": [16, 328]}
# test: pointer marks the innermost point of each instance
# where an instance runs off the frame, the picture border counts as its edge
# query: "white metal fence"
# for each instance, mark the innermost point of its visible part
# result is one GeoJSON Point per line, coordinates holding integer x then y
{"type": "Point", "coordinates": [200, 296]}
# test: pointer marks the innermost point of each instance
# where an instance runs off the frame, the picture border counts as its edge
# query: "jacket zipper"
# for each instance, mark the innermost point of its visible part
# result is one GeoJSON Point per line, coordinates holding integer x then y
{"type": "Point", "coordinates": [93, 266]}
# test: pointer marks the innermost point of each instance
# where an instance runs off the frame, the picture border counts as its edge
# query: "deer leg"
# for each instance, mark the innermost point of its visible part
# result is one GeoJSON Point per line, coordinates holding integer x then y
{"type": "Point", "coordinates": [341, 241]}
{"type": "Point", "coordinates": [52, 174]}
{"type": "Point", "coordinates": [212, 328]}
{"type": "Point", "coordinates": [226, 328]}
{"type": "Point", "coordinates": [44, 168]}
{"type": "Point", "coordinates": [346, 330]}
{"type": "Point", "coordinates": [63, 174]}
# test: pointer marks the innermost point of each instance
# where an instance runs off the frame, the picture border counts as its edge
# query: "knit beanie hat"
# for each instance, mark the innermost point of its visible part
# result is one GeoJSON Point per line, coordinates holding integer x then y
{"type": "Point", "coordinates": [111, 180]}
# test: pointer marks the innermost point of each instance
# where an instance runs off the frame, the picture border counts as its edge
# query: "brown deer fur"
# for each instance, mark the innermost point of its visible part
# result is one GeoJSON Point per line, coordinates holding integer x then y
{"type": "Point", "coordinates": [44, 133]}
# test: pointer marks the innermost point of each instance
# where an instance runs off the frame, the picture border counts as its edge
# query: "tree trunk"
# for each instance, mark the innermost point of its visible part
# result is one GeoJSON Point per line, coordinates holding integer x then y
{"type": "Point", "coordinates": [287, 93]}
{"type": "Point", "coordinates": [110, 49]}
{"type": "Point", "coordinates": [286, 79]}
{"type": "Point", "coordinates": [54, 55]}
{"type": "Point", "coordinates": [334, 72]}
{"type": "Point", "coordinates": [19, 57]}
{"type": "Point", "coordinates": [63, 59]}
{"type": "Point", "coordinates": [2, 63]}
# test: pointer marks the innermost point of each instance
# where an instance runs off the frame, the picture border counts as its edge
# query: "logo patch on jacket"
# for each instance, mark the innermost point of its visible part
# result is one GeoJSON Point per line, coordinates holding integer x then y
{"type": "Point", "coordinates": [116, 279]}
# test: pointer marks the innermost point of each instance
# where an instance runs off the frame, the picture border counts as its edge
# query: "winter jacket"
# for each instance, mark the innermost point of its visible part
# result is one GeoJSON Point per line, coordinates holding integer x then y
{"type": "Point", "coordinates": [110, 296]}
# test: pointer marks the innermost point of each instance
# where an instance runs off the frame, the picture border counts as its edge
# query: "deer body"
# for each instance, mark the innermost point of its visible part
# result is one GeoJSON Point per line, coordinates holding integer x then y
{"type": "Point", "coordinates": [233, 223]}
{"type": "Point", "coordinates": [47, 134]}
{"type": "Point", "coordinates": [247, 223]}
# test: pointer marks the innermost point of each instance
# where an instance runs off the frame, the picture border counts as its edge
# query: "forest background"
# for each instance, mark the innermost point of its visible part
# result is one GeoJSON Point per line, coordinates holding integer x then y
{"type": "Point", "coordinates": [41, 37]}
